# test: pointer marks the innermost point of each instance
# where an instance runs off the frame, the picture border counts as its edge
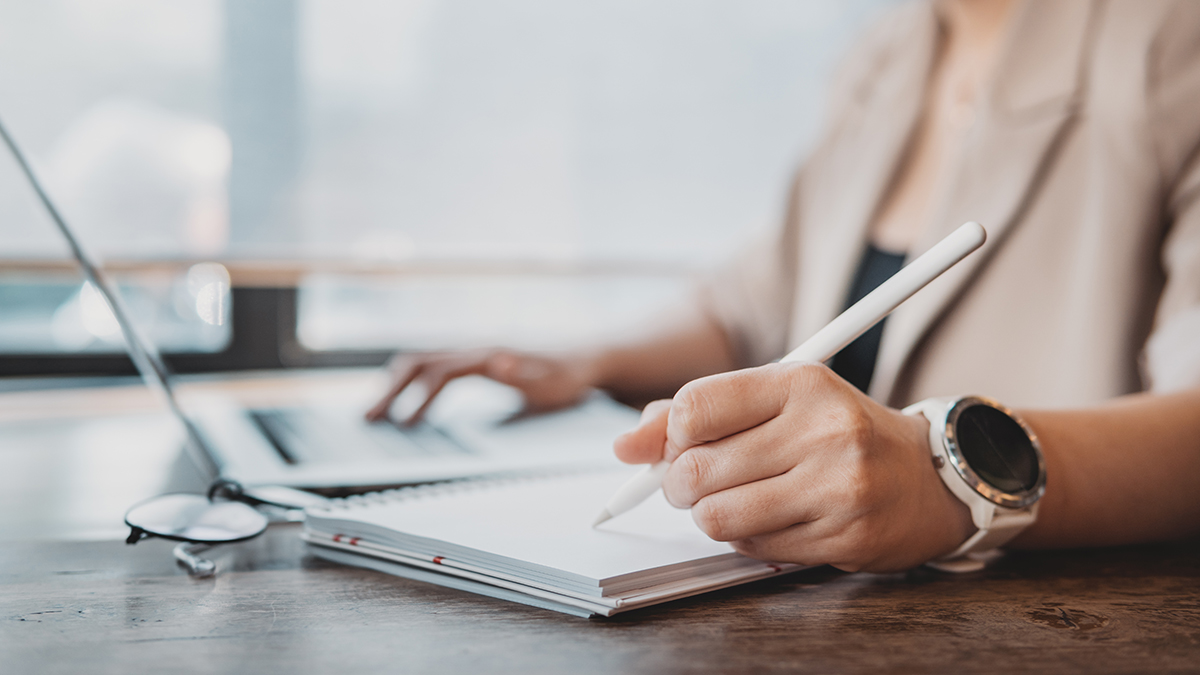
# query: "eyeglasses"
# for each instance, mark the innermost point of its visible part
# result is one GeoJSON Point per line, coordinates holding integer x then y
{"type": "Point", "coordinates": [228, 513]}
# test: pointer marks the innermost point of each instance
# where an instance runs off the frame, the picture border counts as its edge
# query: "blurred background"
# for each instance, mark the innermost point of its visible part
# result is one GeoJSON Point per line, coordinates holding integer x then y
{"type": "Point", "coordinates": [319, 182]}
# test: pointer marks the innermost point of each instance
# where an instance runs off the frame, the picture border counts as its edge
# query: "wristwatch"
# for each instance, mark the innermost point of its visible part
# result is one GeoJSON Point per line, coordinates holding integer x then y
{"type": "Point", "coordinates": [991, 461]}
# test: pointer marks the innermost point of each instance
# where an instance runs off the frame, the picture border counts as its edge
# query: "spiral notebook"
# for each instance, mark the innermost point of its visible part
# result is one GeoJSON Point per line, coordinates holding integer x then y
{"type": "Point", "coordinates": [530, 540]}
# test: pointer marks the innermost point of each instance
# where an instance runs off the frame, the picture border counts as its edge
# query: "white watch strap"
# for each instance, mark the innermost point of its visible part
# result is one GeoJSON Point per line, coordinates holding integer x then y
{"type": "Point", "coordinates": [1006, 524]}
{"type": "Point", "coordinates": [996, 525]}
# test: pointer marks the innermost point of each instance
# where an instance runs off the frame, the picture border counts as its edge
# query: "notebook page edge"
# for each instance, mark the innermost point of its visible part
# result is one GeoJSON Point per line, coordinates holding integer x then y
{"type": "Point", "coordinates": [583, 610]}
{"type": "Point", "coordinates": [419, 560]}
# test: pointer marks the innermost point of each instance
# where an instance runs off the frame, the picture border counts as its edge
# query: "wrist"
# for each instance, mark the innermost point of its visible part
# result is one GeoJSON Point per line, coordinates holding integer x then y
{"type": "Point", "coordinates": [991, 461]}
{"type": "Point", "coordinates": [952, 525]}
{"type": "Point", "coordinates": [591, 368]}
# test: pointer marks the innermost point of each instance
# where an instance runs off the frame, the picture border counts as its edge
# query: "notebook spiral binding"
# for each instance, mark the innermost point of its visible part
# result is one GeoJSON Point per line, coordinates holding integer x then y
{"type": "Point", "coordinates": [443, 488]}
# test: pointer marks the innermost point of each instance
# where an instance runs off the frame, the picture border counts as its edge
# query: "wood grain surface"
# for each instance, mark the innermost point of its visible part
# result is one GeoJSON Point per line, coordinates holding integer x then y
{"type": "Point", "coordinates": [103, 607]}
{"type": "Point", "coordinates": [99, 606]}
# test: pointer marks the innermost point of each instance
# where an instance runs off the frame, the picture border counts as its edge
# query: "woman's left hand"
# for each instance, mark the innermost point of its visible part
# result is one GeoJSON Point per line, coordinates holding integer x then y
{"type": "Point", "coordinates": [790, 463]}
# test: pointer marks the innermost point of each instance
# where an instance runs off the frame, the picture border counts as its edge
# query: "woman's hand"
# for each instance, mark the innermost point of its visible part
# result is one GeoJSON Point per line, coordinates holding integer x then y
{"type": "Point", "coordinates": [546, 382]}
{"type": "Point", "coordinates": [790, 463]}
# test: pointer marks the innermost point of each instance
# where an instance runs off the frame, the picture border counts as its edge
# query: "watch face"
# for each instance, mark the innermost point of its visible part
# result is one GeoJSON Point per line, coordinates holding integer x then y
{"type": "Point", "coordinates": [997, 449]}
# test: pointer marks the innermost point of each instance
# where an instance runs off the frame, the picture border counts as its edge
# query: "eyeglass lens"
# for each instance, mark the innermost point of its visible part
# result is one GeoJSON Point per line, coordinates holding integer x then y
{"type": "Point", "coordinates": [194, 518]}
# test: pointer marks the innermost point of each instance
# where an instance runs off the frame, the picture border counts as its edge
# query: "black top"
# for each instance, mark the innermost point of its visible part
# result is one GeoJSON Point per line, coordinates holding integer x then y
{"type": "Point", "coordinates": [856, 363]}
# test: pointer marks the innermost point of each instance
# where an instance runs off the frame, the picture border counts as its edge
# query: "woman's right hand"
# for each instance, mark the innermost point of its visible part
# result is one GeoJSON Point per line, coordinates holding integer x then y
{"type": "Point", "coordinates": [546, 382]}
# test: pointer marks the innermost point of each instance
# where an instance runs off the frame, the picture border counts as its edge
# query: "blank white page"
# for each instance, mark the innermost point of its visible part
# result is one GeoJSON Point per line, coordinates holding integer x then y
{"type": "Point", "coordinates": [547, 522]}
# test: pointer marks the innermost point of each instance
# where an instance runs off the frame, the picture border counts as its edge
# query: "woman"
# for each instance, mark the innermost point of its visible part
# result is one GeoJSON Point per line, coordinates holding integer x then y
{"type": "Point", "coordinates": [1070, 129]}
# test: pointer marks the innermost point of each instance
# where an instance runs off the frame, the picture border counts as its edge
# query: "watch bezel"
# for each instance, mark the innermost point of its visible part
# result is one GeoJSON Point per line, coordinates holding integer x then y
{"type": "Point", "coordinates": [1013, 500]}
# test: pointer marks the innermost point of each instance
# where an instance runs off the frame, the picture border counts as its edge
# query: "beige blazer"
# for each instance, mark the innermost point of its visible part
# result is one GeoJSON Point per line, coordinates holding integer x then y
{"type": "Point", "coordinates": [1083, 164]}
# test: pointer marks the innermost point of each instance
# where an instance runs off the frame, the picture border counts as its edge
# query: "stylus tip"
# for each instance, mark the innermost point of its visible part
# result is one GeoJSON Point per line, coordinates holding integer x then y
{"type": "Point", "coordinates": [604, 515]}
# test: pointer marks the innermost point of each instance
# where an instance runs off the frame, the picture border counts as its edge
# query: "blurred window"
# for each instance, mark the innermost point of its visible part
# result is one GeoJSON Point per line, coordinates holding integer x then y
{"type": "Point", "coordinates": [635, 140]}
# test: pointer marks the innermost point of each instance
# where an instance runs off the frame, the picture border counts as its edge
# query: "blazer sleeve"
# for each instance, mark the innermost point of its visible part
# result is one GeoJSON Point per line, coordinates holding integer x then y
{"type": "Point", "coordinates": [750, 298]}
{"type": "Point", "coordinates": [1172, 353]}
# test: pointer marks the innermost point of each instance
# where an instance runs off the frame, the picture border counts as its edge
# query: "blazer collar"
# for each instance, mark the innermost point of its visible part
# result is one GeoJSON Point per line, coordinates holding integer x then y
{"type": "Point", "coordinates": [1036, 91]}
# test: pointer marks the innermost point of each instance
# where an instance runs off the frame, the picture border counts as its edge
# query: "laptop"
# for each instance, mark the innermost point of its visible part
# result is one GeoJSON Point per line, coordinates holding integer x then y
{"type": "Point", "coordinates": [474, 428]}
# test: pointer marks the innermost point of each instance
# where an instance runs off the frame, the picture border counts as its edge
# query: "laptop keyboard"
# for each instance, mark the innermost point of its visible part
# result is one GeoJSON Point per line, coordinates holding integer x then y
{"type": "Point", "coordinates": [303, 435]}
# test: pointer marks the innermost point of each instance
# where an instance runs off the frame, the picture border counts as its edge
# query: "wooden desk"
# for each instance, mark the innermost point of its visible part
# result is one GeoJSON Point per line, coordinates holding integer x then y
{"type": "Point", "coordinates": [88, 607]}
{"type": "Point", "coordinates": [101, 606]}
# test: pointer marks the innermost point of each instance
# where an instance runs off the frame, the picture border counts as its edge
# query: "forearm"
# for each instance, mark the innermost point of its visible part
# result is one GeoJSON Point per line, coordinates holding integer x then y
{"type": "Point", "coordinates": [687, 347]}
{"type": "Point", "coordinates": [1120, 473]}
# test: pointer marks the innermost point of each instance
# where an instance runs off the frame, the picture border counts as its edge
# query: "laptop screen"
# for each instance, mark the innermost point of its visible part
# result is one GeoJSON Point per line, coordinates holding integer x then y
{"type": "Point", "coordinates": [145, 355]}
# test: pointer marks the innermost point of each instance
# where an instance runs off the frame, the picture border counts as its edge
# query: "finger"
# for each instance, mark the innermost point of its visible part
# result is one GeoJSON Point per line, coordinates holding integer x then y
{"type": "Point", "coordinates": [753, 455]}
{"type": "Point", "coordinates": [816, 542]}
{"type": "Point", "coordinates": [795, 544]}
{"type": "Point", "coordinates": [644, 444]}
{"type": "Point", "coordinates": [404, 377]}
{"type": "Point", "coordinates": [722, 405]}
{"type": "Point", "coordinates": [402, 362]}
{"type": "Point", "coordinates": [436, 379]}
{"type": "Point", "coordinates": [755, 509]}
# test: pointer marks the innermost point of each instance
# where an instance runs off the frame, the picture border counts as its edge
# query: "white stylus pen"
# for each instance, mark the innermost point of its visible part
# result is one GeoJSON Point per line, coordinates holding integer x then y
{"type": "Point", "coordinates": [856, 320]}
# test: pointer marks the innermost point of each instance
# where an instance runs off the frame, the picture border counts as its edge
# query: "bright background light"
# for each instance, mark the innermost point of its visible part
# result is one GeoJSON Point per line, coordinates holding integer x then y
{"type": "Point", "coordinates": [655, 132]}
